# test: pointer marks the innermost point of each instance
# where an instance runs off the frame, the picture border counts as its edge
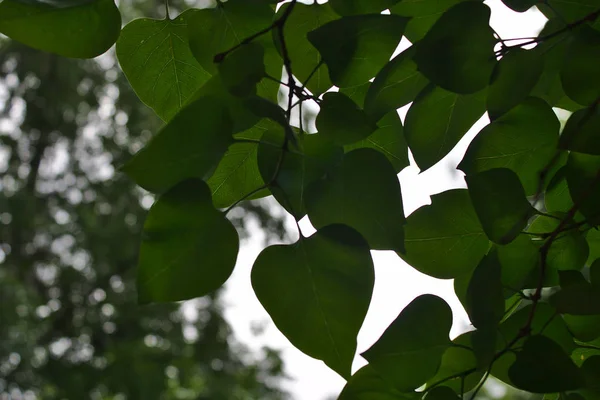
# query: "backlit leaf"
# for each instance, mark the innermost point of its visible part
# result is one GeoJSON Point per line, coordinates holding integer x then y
{"type": "Point", "coordinates": [579, 76]}
{"type": "Point", "coordinates": [367, 384]}
{"type": "Point", "coordinates": [342, 121]}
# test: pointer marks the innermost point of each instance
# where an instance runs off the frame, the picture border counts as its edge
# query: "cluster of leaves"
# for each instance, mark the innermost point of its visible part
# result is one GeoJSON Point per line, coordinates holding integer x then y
{"type": "Point", "coordinates": [521, 241]}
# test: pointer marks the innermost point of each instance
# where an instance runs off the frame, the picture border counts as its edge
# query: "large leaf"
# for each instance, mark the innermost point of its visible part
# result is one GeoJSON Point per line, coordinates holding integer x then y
{"type": "Point", "coordinates": [543, 367]}
{"type": "Point", "coordinates": [450, 61]}
{"type": "Point", "coordinates": [355, 48]}
{"type": "Point", "coordinates": [437, 120]}
{"type": "Point", "coordinates": [583, 178]}
{"type": "Point", "coordinates": [303, 20]}
{"type": "Point", "coordinates": [523, 139]}
{"type": "Point", "coordinates": [396, 85]}
{"type": "Point", "coordinates": [445, 239]}
{"type": "Point", "coordinates": [513, 79]}
{"type": "Point", "coordinates": [485, 300]}
{"type": "Point", "coordinates": [367, 384]}
{"type": "Point", "coordinates": [500, 203]}
{"type": "Point", "coordinates": [573, 10]}
{"type": "Point", "coordinates": [351, 7]}
{"type": "Point", "coordinates": [243, 81]}
{"type": "Point", "coordinates": [578, 299]}
{"type": "Point", "coordinates": [519, 260]}
{"type": "Point", "coordinates": [581, 132]}
{"type": "Point", "coordinates": [342, 121]}
{"type": "Point", "coordinates": [366, 199]}
{"type": "Point", "coordinates": [423, 14]}
{"type": "Point", "coordinates": [183, 148]}
{"type": "Point", "coordinates": [579, 76]}
{"type": "Point", "coordinates": [387, 139]}
{"type": "Point", "coordinates": [410, 350]}
{"type": "Point", "coordinates": [292, 172]}
{"type": "Point", "coordinates": [82, 29]}
{"type": "Point", "coordinates": [318, 291]}
{"type": "Point", "coordinates": [156, 59]}
{"type": "Point", "coordinates": [188, 248]}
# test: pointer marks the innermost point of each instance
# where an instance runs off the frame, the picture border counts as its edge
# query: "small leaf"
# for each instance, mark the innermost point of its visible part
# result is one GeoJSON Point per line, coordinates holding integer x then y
{"type": "Point", "coordinates": [410, 350]}
{"type": "Point", "coordinates": [366, 199]}
{"type": "Point", "coordinates": [583, 178]}
{"type": "Point", "coordinates": [431, 139]}
{"type": "Point", "coordinates": [188, 248]}
{"type": "Point", "coordinates": [445, 240]}
{"type": "Point", "coordinates": [485, 300]}
{"type": "Point", "coordinates": [342, 121]}
{"type": "Point", "coordinates": [352, 7]}
{"type": "Point", "coordinates": [82, 29]}
{"type": "Point", "coordinates": [453, 63]}
{"type": "Point", "coordinates": [243, 81]}
{"type": "Point", "coordinates": [581, 132]}
{"type": "Point", "coordinates": [389, 140]}
{"type": "Point", "coordinates": [367, 384]}
{"type": "Point", "coordinates": [355, 48]}
{"type": "Point", "coordinates": [579, 76]}
{"type": "Point", "coordinates": [441, 393]}
{"type": "Point", "coordinates": [318, 291]}
{"type": "Point", "coordinates": [500, 203]}
{"type": "Point", "coordinates": [514, 77]}
{"type": "Point", "coordinates": [156, 59]}
{"type": "Point", "coordinates": [183, 148]}
{"type": "Point", "coordinates": [583, 327]}
{"type": "Point", "coordinates": [543, 367]}
{"type": "Point", "coordinates": [523, 140]}
{"type": "Point", "coordinates": [396, 85]}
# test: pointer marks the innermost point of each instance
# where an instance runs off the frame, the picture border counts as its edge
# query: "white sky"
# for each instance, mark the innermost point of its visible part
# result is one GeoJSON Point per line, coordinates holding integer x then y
{"type": "Point", "coordinates": [396, 283]}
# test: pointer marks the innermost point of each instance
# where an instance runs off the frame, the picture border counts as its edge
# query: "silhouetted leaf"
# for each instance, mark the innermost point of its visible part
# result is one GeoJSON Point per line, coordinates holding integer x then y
{"type": "Point", "coordinates": [581, 132]}
{"type": "Point", "coordinates": [441, 393]}
{"type": "Point", "coordinates": [423, 13]}
{"type": "Point", "coordinates": [342, 121]}
{"type": "Point", "coordinates": [519, 260]}
{"type": "Point", "coordinates": [367, 384]}
{"type": "Point", "coordinates": [579, 76]}
{"type": "Point", "coordinates": [351, 7]}
{"type": "Point", "coordinates": [485, 300]}
{"type": "Point", "coordinates": [583, 178]}
{"type": "Point", "coordinates": [242, 81]}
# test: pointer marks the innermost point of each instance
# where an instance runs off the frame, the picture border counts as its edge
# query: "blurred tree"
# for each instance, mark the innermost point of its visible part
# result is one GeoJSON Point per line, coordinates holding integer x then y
{"type": "Point", "coordinates": [70, 327]}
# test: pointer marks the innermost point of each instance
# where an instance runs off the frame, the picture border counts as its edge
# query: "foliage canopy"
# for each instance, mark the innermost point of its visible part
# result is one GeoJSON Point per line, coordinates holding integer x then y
{"type": "Point", "coordinates": [520, 241]}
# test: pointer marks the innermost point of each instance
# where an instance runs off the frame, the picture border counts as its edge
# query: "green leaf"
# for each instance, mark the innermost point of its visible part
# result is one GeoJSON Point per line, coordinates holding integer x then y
{"type": "Point", "coordinates": [519, 260]}
{"type": "Point", "coordinates": [578, 299]}
{"type": "Point", "coordinates": [366, 199]}
{"type": "Point", "coordinates": [342, 121]}
{"type": "Point", "coordinates": [237, 174]}
{"type": "Point", "coordinates": [387, 139]}
{"type": "Point", "coordinates": [410, 350]}
{"type": "Point", "coordinates": [583, 178]}
{"type": "Point", "coordinates": [304, 19]}
{"type": "Point", "coordinates": [355, 48]}
{"type": "Point", "coordinates": [500, 203]}
{"type": "Point", "coordinates": [523, 139]}
{"type": "Point", "coordinates": [579, 76]}
{"type": "Point", "coordinates": [573, 10]}
{"type": "Point", "coordinates": [318, 291]}
{"type": "Point", "coordinates": [188, 248]}
{"type": "Point", "coordinates": [396, 85]}
{"type": "Point", "coordinates": [431, 138]}
{"type": "Point", "coordinates": [70, 29]}
{"type": "Point", "coordinates": [423, 14]}
{"type": "Point", "coordinates": [453, 63]}
{"type": "Point", "coordinates": [445, 239]}
{"type": "Point", "coordinates": [513, 79]}
{"type": "Point", "coordinates": [519, 5]}
{"type": "Point", "coordinates": [591, 373]}
{"type": "Point", "coordinates": [243, 81]}
{"type": "Point", "coordinates": [156, 59]}
{"type": "Point", "coordinates": [581, 132]}
{"type": "Point", "coordinates": [296, 170]}
{"type": "Point", "coordinates": [543, 367]}
{"type": "Point", "coordinates": [483, 341]}
{"type": "Point", "coordinates": [441, 393]}
{"type": "Point", "coordinates": [557, 197]}
{"type": "Point", "coordinates": [583, 327]}
{"type": "Point", "coordinates": [485, 300]}
{"type": "Point", "coordinates": [352, 7]}
{"type": "Point", "coordinates": [367, 384]}
{"type": "Point", "coordinates": [183, 148]}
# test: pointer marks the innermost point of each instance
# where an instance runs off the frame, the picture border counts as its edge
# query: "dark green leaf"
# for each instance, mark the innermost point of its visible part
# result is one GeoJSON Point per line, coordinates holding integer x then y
{"type": "Point", "coordinates": [183, 148]}
{"type": "Point", "coordinates": [441, 393]}
{"type": "Point", "coordinates": [583, 178]}
{"type": "Point", "coordinates": [366, 199]}
{"type": "Point", "coordinates": [396, 85]}
{"type": "Point", "coordinates": [437, 120]}
{"type": "Point", "coordinates": [156, 59]}
{"type": "Point", "coordinates": [485, 300]}
{"type": "Point", "coordinates": [543, 367]}
{"type": "Point", "coordinates": [581, 132]}
{"type": "Point", "coordinates": [483, 341]}
{"type": "Point", "coordinates": [513, 79]}
{"type": "Point", "coordinates": [523, 140]}
{"type": "Point", "coordinates": [296, 171]}
{"type": "Point", "coordinates": [83, 30]}
{"type": "Point", "coordinates": [445, 240]}
{"type": "Point", "coordinates": [387, 139]}
{"type": "Point", "coordinates": [578, 299]}
{"type": "Point", "coordinates": [342, 121]}
{"type": "Point", "coordinates": [188, 248]}
{"type": "Point", "coordinates": [573, 10]}
{"type": "Point", "coordinates": [579, 76]}
{"type": "Point", "coordinates": [500, 203]}
{"type": "Point", "coordinates": [519, 260]}
{"type": "Point", "coordinates": [355, 48]}
{"type": "Point", "coordinates": [243, 81]}
{"type": "Point", "coordinates": [303, 20]}
{"type": "Point", "coordinates": [591, 373]}
{"type": "Point", "coordinates": [450, 61]}
{"type": "Point", "coordinates": [318, 291]}
{"type": "Point", "coordinates": [519, 5]}
{"type": "Point", "coordinates": [423, 13]}
{"type": "Point", "coordinates": [583, 327]}
{"type": "Point", "coordinates": [410, 350]}
{"type": "Point", "coordinates": [557, 197]}
{"type": "Point", "coordinates": [264, 108]}
{"type": "Point", "coordinates": [366, 384]}
{"type": "Point", "coordinates": [352, 7]}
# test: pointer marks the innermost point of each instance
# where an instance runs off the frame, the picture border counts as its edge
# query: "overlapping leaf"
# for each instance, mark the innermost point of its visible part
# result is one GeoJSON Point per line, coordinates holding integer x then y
{"type": "Point", "coordinates": [342, 121]}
